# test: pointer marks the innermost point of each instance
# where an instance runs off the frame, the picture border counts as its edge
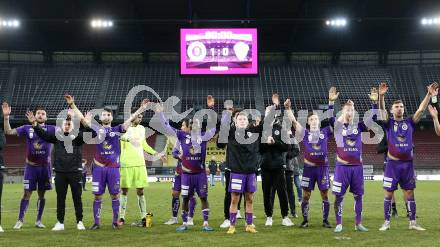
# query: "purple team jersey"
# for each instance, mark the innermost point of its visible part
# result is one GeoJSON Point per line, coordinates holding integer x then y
{"type": "Point", "coordinates": [315, 146]}
{"type": "Point", "coordinates": [400, 138]}
{"type": "Point", "coordinates": [38, 151]}
{"type": "Point", "coordinates": [193, 148]}
{"type": "Point", "coordinates": [349, 143]}
{"type": "Point", "coordinates": [192, 161]}
{"type": "Point", "coordinates": [109, 150]}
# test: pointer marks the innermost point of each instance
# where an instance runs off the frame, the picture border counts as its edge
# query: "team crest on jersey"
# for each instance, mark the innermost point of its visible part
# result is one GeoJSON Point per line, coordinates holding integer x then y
{"type": "Point", "coordinates": [321, 136]}
{"type": "Point", "coordinates": [350, 142]}
{"type": "Point", "coordinates": [199, 140]}
{"type": "Point", "coordinates": [404, 126]}
{"type": "Point", "coordinates": [112, 134]}
{"type": "Point", "coordinates": [316, 147]}
{"type": "Point", "coordinates": [277, 132]}
{"type": "Point", "coordinates": [37, 145]}
{"type": "Point", "coordinates": [355, 131]}
{"type": "Point", "coordinates": [187, 141]}
{"type": "Point", "coordinates": [249, 134]}
{"type": "Point", "coordinates": [401, 138]}
{"type": "Point", "coordinates": [106, 145]}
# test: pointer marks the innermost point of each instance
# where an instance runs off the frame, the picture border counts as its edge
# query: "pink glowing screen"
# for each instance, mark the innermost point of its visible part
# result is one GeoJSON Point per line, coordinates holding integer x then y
{"type": "Point", "coordinates": [218, 51]}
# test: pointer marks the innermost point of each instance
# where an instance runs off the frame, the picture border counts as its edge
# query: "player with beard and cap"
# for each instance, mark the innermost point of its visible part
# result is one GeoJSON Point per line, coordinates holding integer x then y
{"type": "Point", "coordinates": [349, 164]}
{"type": "Point", "coordinates": [38, 170]}
{"type": "Point", "coordinates": [400, 169]}
{"type": "Point", "coordinates": [316, 165]}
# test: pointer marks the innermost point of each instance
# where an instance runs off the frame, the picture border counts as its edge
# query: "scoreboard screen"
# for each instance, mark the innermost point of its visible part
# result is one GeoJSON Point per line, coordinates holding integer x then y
{"type": "Point", "coordinates": [218, 51]}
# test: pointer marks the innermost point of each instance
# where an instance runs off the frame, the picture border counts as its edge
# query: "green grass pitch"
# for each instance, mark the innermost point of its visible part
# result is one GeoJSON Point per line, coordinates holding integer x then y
{"type": "Point", "coordinates": [158, 201]}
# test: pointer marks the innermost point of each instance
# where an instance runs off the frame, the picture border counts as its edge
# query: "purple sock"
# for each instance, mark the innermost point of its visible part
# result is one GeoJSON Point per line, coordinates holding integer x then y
{"type": "Point", "coordinates": [387, 208]}
{"type": "Point", "coordinates": [232, 218]}
{"type": "Point", "coordinates": [412, 208]}
{"type": "Point", "coordinates": [115, 207]}
{"type": "Point", "coordinates": [40, 208]}
{"type": "Point", "coordinates": [305, 210]}
{"type": "Point", "coordinates": [358, 209]}
{"type": "Point", "coordinates": [184, 216]}
{"type": "Point", "coordinates": [205, 213]}
{"type": "Point", "coordinates": [175, 205]}
{"type": "Point", "coordinates": [325, 210]}
{"type": "Point", "coordinates": [339, 205]}
{"type": "Point", "coordinates": [249, 218]}
{"type": "Point", "coordinates": [192, 206]}
{"type": "Point", "coordinates": [97, 211]}
{"type": "Point", "coordinates": [23, 207]}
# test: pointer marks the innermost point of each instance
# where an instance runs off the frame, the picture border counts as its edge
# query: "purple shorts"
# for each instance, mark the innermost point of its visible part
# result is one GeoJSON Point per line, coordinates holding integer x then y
{"type": "Point", "coordinates": [315, 174]}
{"type": "Point", "coordinates": [105, 176]}
{"type": "Point", "coordinates": [37, 177]}
{"type": "Point", "coordinates": [197, 182]}
{"type": "Point", "coordinates": [348, 175]}
{"type": "Point", "coordinates": [177, 183]}
{"type": "Point", "coordinates": [242, 183]}
{"type": "Point", "coordinates": [399, 172]}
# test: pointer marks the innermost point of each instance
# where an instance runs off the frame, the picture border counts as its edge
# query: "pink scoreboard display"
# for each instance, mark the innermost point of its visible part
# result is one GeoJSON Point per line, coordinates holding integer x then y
{"type": "Point", "coordinates": [218, 51]}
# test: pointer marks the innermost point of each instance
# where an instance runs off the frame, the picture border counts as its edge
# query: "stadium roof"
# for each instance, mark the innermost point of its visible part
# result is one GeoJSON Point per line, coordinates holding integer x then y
{"type": "Point", "coordinates": [284, 25]}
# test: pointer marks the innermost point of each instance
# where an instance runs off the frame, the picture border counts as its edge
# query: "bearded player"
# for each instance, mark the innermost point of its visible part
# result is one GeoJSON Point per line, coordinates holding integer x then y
{"type": "Point", "coordinates": [106, 161]}
{"type": "Point", "coordinates": [38, 170]}
{"type": "Point", "coordinates": [133, 170]}
{"type": "Point", "coordinates": [400, 169]}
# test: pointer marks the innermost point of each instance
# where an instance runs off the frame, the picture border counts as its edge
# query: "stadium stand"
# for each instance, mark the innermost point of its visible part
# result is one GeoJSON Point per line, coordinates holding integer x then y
{"type": "Point", "coordinates": [306, 85]}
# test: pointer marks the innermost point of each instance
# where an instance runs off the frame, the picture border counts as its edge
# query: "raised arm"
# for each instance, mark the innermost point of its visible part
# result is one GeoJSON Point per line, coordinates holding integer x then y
{"type": "Point", "coordinates": [433, 110]}
{"type": "Point", "coordinates": [141, 109]}
{"type": "Point", "coordinates": [434, 100]}
{"type": "Point", "coordinates": [163, 120]}
{"type": "Point", "coordinates": [383, 89]}
{"type": "Point", "coordinates": [291, 116]}
{"type": "Point", "coordinates": [422, 107]}
{"type": "Point", "coordinates": [71, 102]}
{"type": "Point", "coordinates": [333, 95]}
{"type": "Point", "coordinates": [40, 132]}
{"type": "Point", "coordinates": [6, 125]}
{"type": "Point", "coordinates": [374, 96]}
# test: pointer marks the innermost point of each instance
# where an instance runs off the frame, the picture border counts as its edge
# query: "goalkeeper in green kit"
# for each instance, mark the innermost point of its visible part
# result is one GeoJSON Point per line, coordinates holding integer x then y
{"type": "Point", "coordinates": [133, 169]}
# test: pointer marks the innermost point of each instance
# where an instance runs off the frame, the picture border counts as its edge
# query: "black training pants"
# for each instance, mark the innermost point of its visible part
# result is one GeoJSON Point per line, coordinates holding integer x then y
{"type": "Point", "coordinates": [273, 181]}
{"type": "Point", "coordinates": [62, 181]}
